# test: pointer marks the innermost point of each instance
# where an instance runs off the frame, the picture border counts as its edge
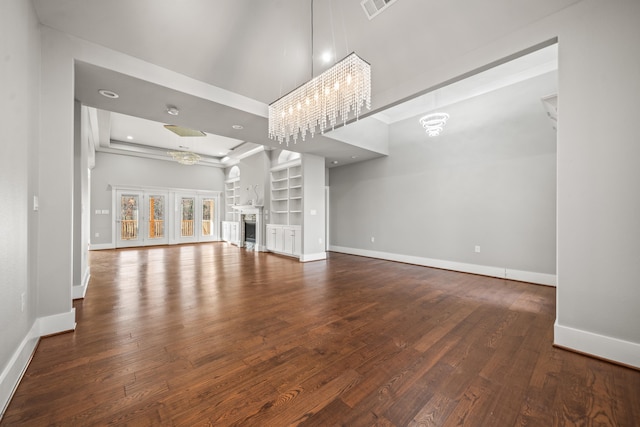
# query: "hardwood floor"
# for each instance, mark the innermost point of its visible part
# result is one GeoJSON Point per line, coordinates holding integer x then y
{"type": "Point", "coordinates": [211, 335]}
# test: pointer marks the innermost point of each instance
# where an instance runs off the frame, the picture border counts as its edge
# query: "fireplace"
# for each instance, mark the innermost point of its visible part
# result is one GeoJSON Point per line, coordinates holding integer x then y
{"type": "Point", "coordinates": [250, 234]}
{"type": "Point", "coordinates": [250, 231]}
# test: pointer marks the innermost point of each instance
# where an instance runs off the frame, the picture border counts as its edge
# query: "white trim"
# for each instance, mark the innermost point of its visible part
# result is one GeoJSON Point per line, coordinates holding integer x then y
{"type": "Point", "coordinates": [79, 291]}
{"type": "Point", "coordinates": [56, 323]}
{"type": "Point", "coordinates": [484, 270]}
{"type": "Point", "coordinates": [601, 346]}
{"type": "Point", "coordinates": [287, 164]}
{"type": "Point", "coordinates": [13, 372]}
{"type": "Point", "coordinates": [313, 257]}
{"type": "Point", "coordinates": [258, 149]}
{"type": "Point", "coordinates": [101, 246]}
{"type": "Point", "coordinates": [531, 277]}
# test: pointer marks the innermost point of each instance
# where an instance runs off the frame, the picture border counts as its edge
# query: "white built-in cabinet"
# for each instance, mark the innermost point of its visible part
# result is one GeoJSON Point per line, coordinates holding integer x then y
{"type": "Point", "coordinates": [230, 232]}
{"type": "Point", "coordinates": [230, 226]}
{"type": "Point", "coordinates": [231, 198]}
{"type": "Point", "coordinates": [284, 239]}
{"type": "Point", "coordinates": [284, 233]}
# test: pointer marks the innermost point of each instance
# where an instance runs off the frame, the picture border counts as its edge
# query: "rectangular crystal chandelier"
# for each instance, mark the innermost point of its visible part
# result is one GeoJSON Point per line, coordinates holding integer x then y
{"type": "Point", "coordinates": [338, 93]}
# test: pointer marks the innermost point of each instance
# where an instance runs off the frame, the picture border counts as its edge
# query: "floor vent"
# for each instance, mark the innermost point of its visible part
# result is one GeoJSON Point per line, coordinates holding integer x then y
{"type": "Point", "coordinates": [373, 7]}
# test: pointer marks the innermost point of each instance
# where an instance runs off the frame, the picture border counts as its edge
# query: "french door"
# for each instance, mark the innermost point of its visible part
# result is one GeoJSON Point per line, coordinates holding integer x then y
{"type": "Point", "coordinates": [141, 218]}
{"type": "Point", "coordinates": [147, 217]}
{"type": "Point", "coordinates": [197, 218]}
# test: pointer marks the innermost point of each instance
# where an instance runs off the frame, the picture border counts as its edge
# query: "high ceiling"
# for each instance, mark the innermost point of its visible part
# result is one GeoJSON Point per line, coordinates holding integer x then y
{"type": "Point", "coordinates": [261, 49]}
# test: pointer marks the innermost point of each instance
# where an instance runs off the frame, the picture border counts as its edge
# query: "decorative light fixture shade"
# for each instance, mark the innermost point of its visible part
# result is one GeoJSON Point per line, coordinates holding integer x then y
{"type": "Point", "coordinates": [339, 92]}
{"type": "Point", "coordinates": [434, 123]}
{"type": "Point", "coordinates": [185, 157]}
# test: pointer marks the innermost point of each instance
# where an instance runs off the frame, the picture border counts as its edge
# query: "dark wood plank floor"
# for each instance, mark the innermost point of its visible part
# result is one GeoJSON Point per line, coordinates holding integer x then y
{"type": "Point", "coordinates": [211, 335]}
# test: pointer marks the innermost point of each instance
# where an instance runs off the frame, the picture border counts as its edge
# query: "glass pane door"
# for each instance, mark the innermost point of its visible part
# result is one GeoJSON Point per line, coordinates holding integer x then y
{"type": "Point", "coordinates": [186, 227]}
{"type": "Point", "coordinates": [128, 220]}
{"type": "Point", "coordinates": [156, 223]}
{"type": "Point", "coordinates": [208, 229]}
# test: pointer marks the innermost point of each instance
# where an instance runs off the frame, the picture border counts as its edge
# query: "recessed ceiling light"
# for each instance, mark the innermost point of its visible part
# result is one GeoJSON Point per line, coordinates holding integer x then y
{"type": "Point", "coordinates": [129, 137]}
{"type": "Point", "coordinates": [335, 162]}
{"type": "Point", "coordinates": [222, 153]}
{"type": "Point", "coordinates": [172, 110]}
{"type": "Point", "coordinates": [237, 127]}
{"type": "Point", "coordinates": [108, 93]}
{"type": "Point", "coordinates": [184, 147]}
{"type": "Point", "coordinates": [354, 157]}
{"type": "Point", "coordinates": [326, 57]}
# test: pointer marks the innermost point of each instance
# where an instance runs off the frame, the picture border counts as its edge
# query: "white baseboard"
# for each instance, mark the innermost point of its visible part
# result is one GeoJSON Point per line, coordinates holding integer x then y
{"type": "Point", "coordinates": [101, 246]}
{"type": "Point", "coordinates": [57, 323]}
{"type": "Point", "coordinates": [500, 272]}
{"type": "Point", "coordinates": [14, 370]}
{"type": "Point", "coordinates": [313, 257]}
{"type": "Point", "coordinates": [601, 346]}
{"type": "Point", "coordinates": [79, 291]}
{"type": "Point", "coordinates": [531, 277]}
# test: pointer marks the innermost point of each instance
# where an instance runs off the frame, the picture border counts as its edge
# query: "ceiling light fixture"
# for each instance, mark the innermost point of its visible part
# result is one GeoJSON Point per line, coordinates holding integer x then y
{"type": "Point", "coordinates": [108, 93]}
{"type": "Point", "coordinates": [341, 91]}
{"type": "Point", "coordinates": [172, 110]}
{"type": "Point", "coordinates": [237, 127]}
{"type": "Point", "coordinates": [183, 131]}
{"type": "Point", "coordinates": [434, 123]}
{"type": "Point", "coordinates": [185, 157]}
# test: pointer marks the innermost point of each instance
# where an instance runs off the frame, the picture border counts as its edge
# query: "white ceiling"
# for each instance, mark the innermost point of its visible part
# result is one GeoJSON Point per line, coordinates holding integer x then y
{"type": "Point", "coordinates": [262, 50]}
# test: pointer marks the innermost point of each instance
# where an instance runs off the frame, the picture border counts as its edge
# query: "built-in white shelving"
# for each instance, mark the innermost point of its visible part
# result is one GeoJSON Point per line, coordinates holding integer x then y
{"type": "Point", "coordinates": [286, 194]}
{"type": "Point", "coordinates": [232, 198]}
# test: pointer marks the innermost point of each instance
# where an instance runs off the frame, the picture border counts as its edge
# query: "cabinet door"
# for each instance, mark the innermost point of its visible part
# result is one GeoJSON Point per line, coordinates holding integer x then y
{"type": "Point", "coordinates": [297, 242]}
{"type": "Point", "coordinates": [226, 231]}
{"type": "Point", "coordinates": [233, 235]}
{"type": "Point", "coordinates": [279, 240]}
{"type": "Point", "coordinates": [289, 240]}
{"type": "Point", "coordinates": [271, 238]}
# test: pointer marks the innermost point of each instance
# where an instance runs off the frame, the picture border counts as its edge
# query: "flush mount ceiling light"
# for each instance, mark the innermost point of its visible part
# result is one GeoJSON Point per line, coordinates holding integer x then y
{"type": "Point", "coordinates": [182, 131]}
{"type": "Point", "coordinates": [434, 123]}
{"type": "Point", "coordinates": [339, 92]}
{"type": "Point", "coordinates": [237, 127]}
{"type": "Point", "coordinates": [185, 157]}
{"type": "Point", "coordinates": [108, 93]}
{"type": "Point", "coordinates": [172, 110]}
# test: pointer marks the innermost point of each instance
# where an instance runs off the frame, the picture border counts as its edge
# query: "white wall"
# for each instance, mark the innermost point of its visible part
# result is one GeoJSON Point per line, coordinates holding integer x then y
{"type": "Point", "coordinates": [117, 170]}
{"type": "Point", "coordinates": [254, 170]}
{"type": "Point", "coordinates": [597, 209]}
{"type": "Point", "coordinates": [488, 180]}
{"type": "Point", "coordinates": [598, 177]}
{"type": "Point", "coordinates": [313, 208]}
{"type": "Point", "coordinates": [19, 133]}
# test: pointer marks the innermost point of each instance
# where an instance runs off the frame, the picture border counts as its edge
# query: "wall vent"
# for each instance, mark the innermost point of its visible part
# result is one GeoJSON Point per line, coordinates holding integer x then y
{"type": "Point", "coordinates": [373, 7]}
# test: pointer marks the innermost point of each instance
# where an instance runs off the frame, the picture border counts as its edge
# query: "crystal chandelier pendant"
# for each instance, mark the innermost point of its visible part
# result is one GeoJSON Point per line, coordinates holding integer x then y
{"type": "Point", "coordinates": [185, 157]}
{"type": "Point", "coordinates": [339, 93]}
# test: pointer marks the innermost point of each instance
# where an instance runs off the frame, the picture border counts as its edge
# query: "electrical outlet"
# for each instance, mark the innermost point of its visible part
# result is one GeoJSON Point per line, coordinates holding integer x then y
{"type": "Point", "coordinates": [477, 249]}
{"type": "Point", "coordinates": [97, 234]}
{"type": "Point", "coordinates": [373, 239]}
